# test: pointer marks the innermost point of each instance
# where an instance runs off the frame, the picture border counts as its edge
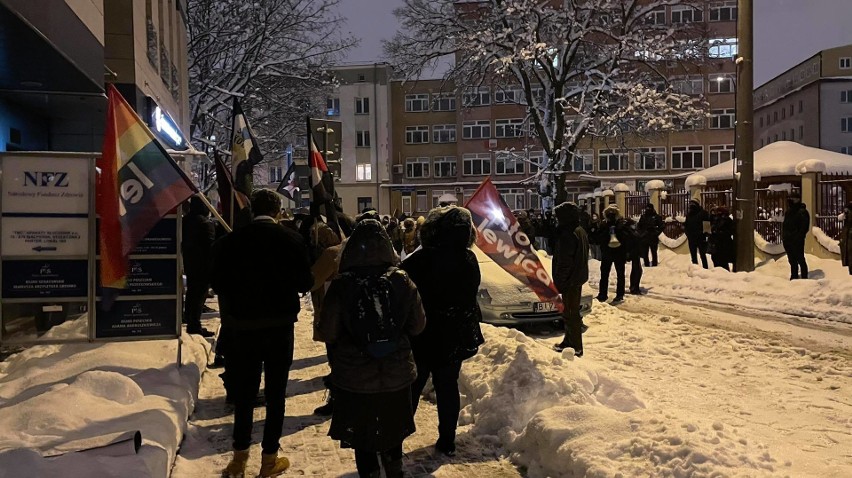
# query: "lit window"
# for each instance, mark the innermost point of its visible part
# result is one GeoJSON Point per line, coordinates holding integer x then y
{"type": "Point", "coordinates": [721, 83]}
{"type": "Point", "coordinates": [723, 48]}
{"type": "Point", "coordinates": [364, 172]}
{"type": "Point", "coordinates": [332, 107]}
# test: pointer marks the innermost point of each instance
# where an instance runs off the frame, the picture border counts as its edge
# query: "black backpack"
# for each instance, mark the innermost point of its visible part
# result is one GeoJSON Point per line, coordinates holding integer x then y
{"type": "Point", "coordinates": [377, 331]}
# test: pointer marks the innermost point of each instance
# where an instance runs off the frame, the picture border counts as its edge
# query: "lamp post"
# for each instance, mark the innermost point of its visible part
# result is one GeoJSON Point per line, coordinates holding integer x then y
{"type": "Point", "coordinates": [745, 138]}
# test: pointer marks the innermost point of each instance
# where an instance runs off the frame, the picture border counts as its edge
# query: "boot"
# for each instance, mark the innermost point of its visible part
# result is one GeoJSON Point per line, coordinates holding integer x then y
{"type": "Point", "coordinates": [237, 467]}
{"type": "Point", "coordinates": [327, 409]}
{"type": "Point", "coordinates": [272, 465]}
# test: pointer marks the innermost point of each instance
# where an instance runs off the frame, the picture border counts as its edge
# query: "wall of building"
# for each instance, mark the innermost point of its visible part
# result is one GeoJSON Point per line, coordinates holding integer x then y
{"type": "Point", "coordinates": [91, 13]}
{"type": "Point", "coordinates": [794, 117]}
{"type": "Point", "coordinates": [832, 111]}
{"type": "Point", "coordinates": [32, 129]}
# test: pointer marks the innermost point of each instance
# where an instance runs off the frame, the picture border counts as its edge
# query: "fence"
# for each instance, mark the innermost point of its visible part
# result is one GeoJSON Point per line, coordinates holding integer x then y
{"type": "Point", "coordinates": [672, 206]}
{"type": "Point", "coordinates": [711, 199]}
{"type": "Point", "coordinates": [835, 190]}
{"type": "Point", "coordinates": [635, 202]}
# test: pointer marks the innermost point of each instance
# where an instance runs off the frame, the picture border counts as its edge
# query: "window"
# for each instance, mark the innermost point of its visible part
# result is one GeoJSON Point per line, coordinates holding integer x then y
{"type": "Point", "coordinates": [656, 17]}
{"type": "Point", "coordinates": [416, 103]}
{"type": "Point", "coordinates": [364, 172]}
{"type": "Point", "coordinates": [801, 132]}
{"type": "Point", "coordinates": [416, 134]}
{"type": "Point", "coordinates": [537, 93]}
{"type": "Point", "coordinates": [783, 136]}
{"type": "Point", "coordinates": [362, 139]}
{"type": "Point", "coordinates": [846, 125]}
{"type": "Point", "coordinates": [612, 160]}
{"type": "Point", "coordinates": [332, 106]}
{"type": "Point", "coordinates": [362, 78]}
{"type": "Point", "coordinates": [651, 158]}
{"type": "Point", "coordinates": [686, 14]}
{"type": "Point", "coordinates": [444, 167]}
{"type": "Point", "coordinates": [846, 96]}
{"type": "Point", "coordinates": [422, 201]}
{"type": "Point", "coordinates": [508, 128]}
{"type": "Point", "coordinates": [793, 135]}
{"type": "Point", "coordinates": [406, 204]}
{"type": "Point", "coordinates": [721, 83]}
{"type": "Point", "coordinates": [791, 111]}
{"type": "Point", "coordinates": [722, 119]}
{"type": "Point", "coordinates": [362, 106]}
{"type": "Point", "coordinates": [761, 142]}
{"type": "Point", "coordinates": [536, 161]}
{"type": "Point", "coordinates": [584, 160]}
{"type": "Point", "coordinates": [477, 96]}
{"type": "Point", "coordinates": [512, 95]}
{"type": "Point", "coordinates": [416, 167]}
{"type": "Point", "coordinates": [437, 193]}
{"type": "Point", "coordinates": [775, 116]}
{"type": "Point", "coordinates": [365, 203]}
{"type": "Point", "coordinates": [723, 48]}
{"type": "Point", "coordinates": [508, 163]}
{"type": "Point", "coordinates": [775, 138]}
{"type": "Point", "coordinates": [783, 113]}
{"type": "Point", "coordinates": [688, 85]}
{"type": "Point", "coordinates": [276, 174]}
{"type": "Point", "coordinates": [476, 164]}
{"type": "Point", "coordinates": [444, 133]}
{"type": "Point", "coordinates": [761, 121]}
{"type": "Point", "coordinates": [721, 153]}
{"type": "Point", "coordinates": [723, 11]}
{"type": "Point", "coordinates": [443, 102]}
{"type": "Point", "coordinates": [801, 106]}
{"type": "Point", "coordinates": [476, 129]}
{"type": "Point", "coordinates": [845, 63]}
{"type": "Point", "coordinates": [514, 198]}
{"type": "Point", "coordinates": [846, 149]}
{"type": "Point", "coordinates": [687, 157]}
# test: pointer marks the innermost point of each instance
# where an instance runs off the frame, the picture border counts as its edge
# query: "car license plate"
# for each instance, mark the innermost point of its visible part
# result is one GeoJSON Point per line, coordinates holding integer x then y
{"type": "Point", "coordinates": [544, 307]}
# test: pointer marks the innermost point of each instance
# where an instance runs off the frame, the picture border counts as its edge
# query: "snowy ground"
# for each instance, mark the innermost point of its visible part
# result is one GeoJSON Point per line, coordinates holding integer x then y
{"type": "Point", "coordinates": [710, 374]}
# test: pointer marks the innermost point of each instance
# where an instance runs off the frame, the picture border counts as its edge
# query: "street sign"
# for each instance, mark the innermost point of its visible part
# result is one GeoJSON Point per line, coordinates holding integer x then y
{"type": "Point", "coordinates": [44, 236]}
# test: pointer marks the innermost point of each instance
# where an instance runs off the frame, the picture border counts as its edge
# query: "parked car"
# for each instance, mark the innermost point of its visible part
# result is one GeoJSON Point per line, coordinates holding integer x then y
{"type": "Point", "coordinates": [505, 300]}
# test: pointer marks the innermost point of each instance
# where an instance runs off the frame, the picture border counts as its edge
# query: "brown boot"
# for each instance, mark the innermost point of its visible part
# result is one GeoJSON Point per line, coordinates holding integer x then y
{"type": "Point", "coordinates": [237, 467]}
{"type": "Point", "coordinates": [272, 465]}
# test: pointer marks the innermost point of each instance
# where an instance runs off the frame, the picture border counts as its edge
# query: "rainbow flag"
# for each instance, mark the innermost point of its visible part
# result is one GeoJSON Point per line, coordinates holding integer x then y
{"type": "Point", "coordinates": [139, 183]}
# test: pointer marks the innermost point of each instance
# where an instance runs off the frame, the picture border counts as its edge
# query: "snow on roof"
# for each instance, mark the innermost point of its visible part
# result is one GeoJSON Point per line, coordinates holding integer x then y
{"type": "Point", "coordinates": [810, 166]}
{"type": "Point", "coordinates": [781, 158]}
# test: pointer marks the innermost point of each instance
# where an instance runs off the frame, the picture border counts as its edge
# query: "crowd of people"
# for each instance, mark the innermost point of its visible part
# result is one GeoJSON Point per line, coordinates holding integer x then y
{"type": "Point", "coordinates": [395, 303]}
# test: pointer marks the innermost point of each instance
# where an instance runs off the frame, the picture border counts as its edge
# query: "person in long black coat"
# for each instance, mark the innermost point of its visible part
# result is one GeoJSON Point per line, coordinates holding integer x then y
{"type": "Point", "coordinates": [613, 253]}
{"type": "Point", "coordinates": [696, 216]}
{"type": "Point", "coordinates": [650, 226]}
{"type": "Point", "coordinates": [570, 272]}
{"type": "Point", "coordinates": [846, 238]}
{"type": "Point", "coordinates": [198, 234]}
{"type": "Point", "coordinates": [721, 241]}
{"type": "Point", "coordinates": [794, 230]}
{"type": "Point", "coordinates": [447, 276]}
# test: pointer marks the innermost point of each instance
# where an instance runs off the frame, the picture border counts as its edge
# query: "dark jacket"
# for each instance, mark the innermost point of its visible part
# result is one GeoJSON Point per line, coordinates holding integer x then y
{"type": "Point", "coordinates": [258, 272]}
{"type": "Point", "coordinates": [846, 240]}
{"type": "Point", "coordinates": [721, 240]}
{"type": "Point", "coordinates": [650, 226]}
{"type": "Point", "coordinates": [623, 233]}
{"type": "Point", "coordinates": [571, 251]}
{"type": "Point", "coordinates": [368, 251]}
{"type": "Point", "coordinates": [447, 276]}
{"type": "Point", "coordinates": [796, 225]}
{"type": "Point", "coordinates": [694, 224]}
{"type": "Point", "coordinates": [198, 234]}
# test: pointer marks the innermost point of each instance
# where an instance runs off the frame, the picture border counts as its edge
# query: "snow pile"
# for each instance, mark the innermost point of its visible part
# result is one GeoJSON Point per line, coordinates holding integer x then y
{"type": "Point", "coordinates": [607, 193]}
{"type": "Point", "coordinates": [654, 184]}
{"type": "Point", "coordinates": [560, 416]}
{"type": "Point", "coordinates": [787, 187]}
{"type": "Point", "coordinates": [810, 166]}
{"type": "Point", "coordinates": [767, 247]}
{"type": "Point", "coordinates": [52, 395]}
{"type": "Point", "coordinates": [621, 188]}
{"type": "Point", "coordinates": [781, 158]}
{"type": "Point", "coordinates": [695, 180]}
{"type": "Point", "coordinates": [831, 245]}
{"type": "Point", "coordinates": [672, 243]}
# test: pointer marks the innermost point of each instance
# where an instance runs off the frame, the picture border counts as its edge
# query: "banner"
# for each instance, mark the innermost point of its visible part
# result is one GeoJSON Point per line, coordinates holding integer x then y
{"type": "Point", "coordinates": [501, 238]}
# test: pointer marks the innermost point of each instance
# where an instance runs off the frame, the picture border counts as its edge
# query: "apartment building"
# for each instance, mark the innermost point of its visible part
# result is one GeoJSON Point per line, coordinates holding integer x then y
{"type": "Point", "coordinates": [58, 55]}
{"type": "Point", "coordinates": [440, 146]}
{"type": "Point", "coordinates": [811, 103]}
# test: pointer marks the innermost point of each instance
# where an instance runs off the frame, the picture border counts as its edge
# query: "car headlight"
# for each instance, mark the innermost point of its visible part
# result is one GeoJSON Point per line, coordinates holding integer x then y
{"type": "Point", "coordinates": [484, 295]}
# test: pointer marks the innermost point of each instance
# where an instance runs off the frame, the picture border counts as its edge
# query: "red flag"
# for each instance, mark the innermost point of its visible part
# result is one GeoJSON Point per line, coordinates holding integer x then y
{"type": "Point", "coordinates": [501, 238]}
{"type": "Point", "coordinates": [322, 185]}
{"type": "Point", "coordinates": [139, 184]}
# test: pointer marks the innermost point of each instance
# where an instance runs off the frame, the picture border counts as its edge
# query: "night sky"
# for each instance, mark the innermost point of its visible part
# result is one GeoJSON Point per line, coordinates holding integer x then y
{"type": "Point", "coordinates": [786, 31]}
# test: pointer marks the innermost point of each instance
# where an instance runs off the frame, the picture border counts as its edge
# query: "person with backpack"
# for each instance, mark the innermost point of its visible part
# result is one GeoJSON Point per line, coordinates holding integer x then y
{"type": "Point", "coordinates": [446, 273]}
{"type": "Point", "coordinates": [370, 311]}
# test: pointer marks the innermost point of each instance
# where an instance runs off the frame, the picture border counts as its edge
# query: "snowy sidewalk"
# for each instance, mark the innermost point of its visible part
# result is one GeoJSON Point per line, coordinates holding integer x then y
{"type": "Point", "coordinates": [206, 449]}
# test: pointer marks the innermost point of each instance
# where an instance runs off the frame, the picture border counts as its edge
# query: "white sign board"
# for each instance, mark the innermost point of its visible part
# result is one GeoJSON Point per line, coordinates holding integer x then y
{"type": "Point", "coordinates": [610, 184]}
{"type": "Point", "coordinates": [53, 236]}
{"type": "Point", "coordinates": [33, 185]}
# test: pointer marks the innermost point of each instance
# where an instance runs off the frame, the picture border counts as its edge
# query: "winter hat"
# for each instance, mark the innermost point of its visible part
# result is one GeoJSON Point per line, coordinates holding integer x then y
{"type": "Point", "coordinates": [368, 246]}
{"type": "Point", "coordinates": [567, 214]}
{"type": "Point", "coordinates": [649, 206]}
{"type": "Point", "coordinates": [449, 226]}
{"type": "Point", "coordinates": [694, 202]}
{"type": "Point", "coordinates": [324, 236]}
{"type": "Point", "coordinates": [408, 223]}
{"type": "Point", "coordinates": [612, 211]}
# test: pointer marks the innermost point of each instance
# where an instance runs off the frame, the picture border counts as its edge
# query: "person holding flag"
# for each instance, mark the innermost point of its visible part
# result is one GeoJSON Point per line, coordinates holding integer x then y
{"type": "Point", "coordinates": [245, 155]}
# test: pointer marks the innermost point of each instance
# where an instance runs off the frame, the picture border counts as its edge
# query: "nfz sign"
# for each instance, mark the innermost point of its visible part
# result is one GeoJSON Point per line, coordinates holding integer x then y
{"type": "Point", "coordinates": [36, 185]}
{"type": "Point", "coordinates": [46, 179]}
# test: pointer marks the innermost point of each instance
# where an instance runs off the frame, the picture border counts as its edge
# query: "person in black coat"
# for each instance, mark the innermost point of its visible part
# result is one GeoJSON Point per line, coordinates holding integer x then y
{"type": "Point", "coordinates": [637, 251]}
{"type": "Point", "coordinates": [846, 238]}
{"type": "Point", "coordinates": [259, 271]}
{"type": "Point", "coordinates": [614, 238]}
{"type": "Point", "coordinates": [797, 223]}
{"type": "Point", "coordinates": [650, 226]}
{"type": "Point", "coordinates": [447, 276]}
{"type": "Point", "coordinates": [198, 234]}
{"type": "Point", "coordinates": [696, 216]}
{"type": "Point", "coordinates": [570, 272]}
{"type": "Point", "coordinates": [721, 241]}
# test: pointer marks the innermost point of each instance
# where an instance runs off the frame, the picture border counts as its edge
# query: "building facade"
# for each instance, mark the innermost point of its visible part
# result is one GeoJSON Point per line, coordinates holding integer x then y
{"type": "Point", "coordinates": [56, 65]}
{"type": "Point", "coordinates": [811, 103]}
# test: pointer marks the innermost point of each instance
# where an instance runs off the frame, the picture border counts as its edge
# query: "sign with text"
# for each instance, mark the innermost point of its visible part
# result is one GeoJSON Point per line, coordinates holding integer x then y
{"type": "Point", "coordinates": [43, 236]}
{"type": "Point", "coordinates": [162, 239]}
{"type": "Point", "coordinates": [39, 185]}
{"type": "Point", "coordinates": [30, 279]}
{"type": "Point", "coordinates": [137, 318]}
{"type": "Point", "coordinates": [150, 277]}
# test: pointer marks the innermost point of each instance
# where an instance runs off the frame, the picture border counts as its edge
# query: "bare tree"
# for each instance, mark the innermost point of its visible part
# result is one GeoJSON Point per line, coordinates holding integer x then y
{"type": "Point", "coordinates": [272, 54]}
{"type": "Point", "coordinates": [585, 68]}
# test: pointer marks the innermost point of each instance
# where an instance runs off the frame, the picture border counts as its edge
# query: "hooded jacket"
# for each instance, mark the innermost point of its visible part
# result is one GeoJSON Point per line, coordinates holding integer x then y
{"type": "Point", "coordinates": [616, 224]}
{"type": "Point", "coordinates": [571, 252]}
{"type": "Point", "coordinates": [366, 252]}
{"type": "Point", "coordinates": [650, 226]}
{"type": "Point", "coordinates": [796, 225]}
{"type": "Point", "coordinates": [447, 275]}
{"type": "Point", "coordinates": [694, 224]}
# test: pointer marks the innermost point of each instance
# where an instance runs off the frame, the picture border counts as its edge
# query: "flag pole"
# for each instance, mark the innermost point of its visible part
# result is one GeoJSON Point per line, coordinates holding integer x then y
{"type": "Point", "coordinates": [213, 210]}
{"type": "Point", "coordinates": [233, 132]}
